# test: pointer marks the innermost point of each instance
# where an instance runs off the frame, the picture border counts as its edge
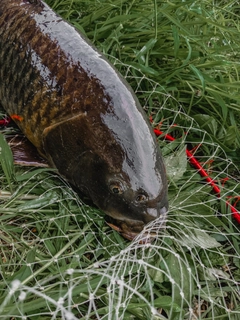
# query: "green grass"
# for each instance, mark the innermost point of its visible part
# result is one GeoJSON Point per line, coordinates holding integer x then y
{"type": "Point", "coordinates": [182, 59]}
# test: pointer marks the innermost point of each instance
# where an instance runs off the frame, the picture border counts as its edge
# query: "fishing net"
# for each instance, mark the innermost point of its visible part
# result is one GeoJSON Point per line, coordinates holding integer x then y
{"type": "Point", "coordinates": [60, 260]}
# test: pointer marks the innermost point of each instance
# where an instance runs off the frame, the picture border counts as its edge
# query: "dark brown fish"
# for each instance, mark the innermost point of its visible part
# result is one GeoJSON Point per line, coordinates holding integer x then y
{"type": "Point", "coordinates": [82, 116]}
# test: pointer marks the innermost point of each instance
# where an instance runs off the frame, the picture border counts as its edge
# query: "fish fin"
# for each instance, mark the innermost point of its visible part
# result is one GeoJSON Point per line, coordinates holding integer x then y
{"type": "Point", "coordinates": [24, 152]}
{"type": "Point", "coordinates": [64, 142]}
{"type": "Point", "coordinates": [68, 148]}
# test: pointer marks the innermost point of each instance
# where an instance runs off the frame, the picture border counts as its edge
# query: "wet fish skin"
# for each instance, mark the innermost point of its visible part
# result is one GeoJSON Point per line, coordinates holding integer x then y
{"type": "Point", "coordinates": [79, 112]}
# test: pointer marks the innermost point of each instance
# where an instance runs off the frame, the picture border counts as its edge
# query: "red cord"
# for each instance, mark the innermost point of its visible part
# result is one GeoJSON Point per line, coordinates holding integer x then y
{"type": "Point", "coordinates": [203, 173]}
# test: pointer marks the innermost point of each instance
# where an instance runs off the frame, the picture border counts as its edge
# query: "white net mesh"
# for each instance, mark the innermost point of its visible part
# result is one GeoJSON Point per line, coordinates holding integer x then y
{"type": "Point", "coordinates": [59, 259]}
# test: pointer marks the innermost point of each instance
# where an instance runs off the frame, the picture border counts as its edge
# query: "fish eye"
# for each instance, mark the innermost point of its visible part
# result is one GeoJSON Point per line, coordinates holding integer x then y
{"type": "Point", "coordinates": [116, 187]}
{"type": "Point", "coordinates": [141, 198]}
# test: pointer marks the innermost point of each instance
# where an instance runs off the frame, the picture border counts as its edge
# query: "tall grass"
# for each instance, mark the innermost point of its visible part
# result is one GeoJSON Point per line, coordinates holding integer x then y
{"type": "Point", "coordinates": [182, 59]}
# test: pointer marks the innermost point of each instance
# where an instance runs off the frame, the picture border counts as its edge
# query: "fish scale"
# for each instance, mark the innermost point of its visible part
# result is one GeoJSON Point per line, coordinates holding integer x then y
{"type": "Point", "coordinates": [81, 115]}
{"type": "Point", "coordinates": [16, 70]}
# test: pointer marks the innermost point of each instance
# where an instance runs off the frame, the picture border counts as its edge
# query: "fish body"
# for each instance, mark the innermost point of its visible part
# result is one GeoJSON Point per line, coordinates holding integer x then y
{"type": "Point", "coordinates": [80, 114]}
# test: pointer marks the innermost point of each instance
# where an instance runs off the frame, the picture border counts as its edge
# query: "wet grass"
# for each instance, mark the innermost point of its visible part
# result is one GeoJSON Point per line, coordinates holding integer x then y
{"type": "Point", "coordinates": [182, 59]}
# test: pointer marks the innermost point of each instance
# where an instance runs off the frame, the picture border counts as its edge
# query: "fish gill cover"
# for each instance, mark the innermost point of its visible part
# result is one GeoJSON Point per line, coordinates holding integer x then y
{"type": "Point", "coordinates": [59, 259]}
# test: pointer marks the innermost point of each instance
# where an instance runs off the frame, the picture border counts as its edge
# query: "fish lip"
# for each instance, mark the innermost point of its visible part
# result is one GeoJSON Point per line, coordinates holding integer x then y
{"type": "Point", "coordinates": [128, 235]}
{"type": "Point", "coordinates": [146, 237]}
{"type": "Point", "coordinates": [124, 225]}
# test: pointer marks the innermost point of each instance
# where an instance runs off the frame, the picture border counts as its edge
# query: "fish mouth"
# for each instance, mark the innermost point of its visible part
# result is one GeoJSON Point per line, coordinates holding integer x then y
{"type": "Point", "coordinates": [130, 229]}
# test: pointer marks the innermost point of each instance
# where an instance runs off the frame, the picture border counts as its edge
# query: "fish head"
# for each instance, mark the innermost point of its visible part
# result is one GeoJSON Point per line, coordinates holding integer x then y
{"type": "Point", "coordinates": [129, 210]}
{"type": "Point", "coordinates": [130, 203]}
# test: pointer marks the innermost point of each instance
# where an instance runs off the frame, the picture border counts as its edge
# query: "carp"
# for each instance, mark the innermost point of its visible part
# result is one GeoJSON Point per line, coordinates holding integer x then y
{"type": "Point", "coordinates": [80, 114]}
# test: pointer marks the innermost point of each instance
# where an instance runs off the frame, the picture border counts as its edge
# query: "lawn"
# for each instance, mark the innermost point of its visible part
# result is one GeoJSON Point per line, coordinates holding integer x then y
{"type": "Point", "coordinates": [59, 259]}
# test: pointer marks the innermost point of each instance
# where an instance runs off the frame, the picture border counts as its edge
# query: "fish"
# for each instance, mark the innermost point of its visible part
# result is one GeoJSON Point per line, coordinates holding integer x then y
{"type": "Point", "coordinates": [82, 116]}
